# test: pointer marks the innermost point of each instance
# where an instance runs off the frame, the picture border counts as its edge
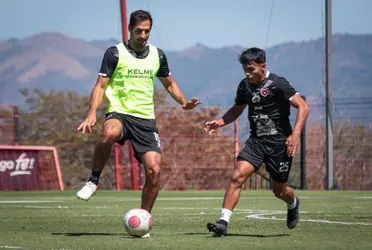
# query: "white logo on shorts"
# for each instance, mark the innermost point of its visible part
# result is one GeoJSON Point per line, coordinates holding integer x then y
{"type": "Point", "coordinates": [157, 138]}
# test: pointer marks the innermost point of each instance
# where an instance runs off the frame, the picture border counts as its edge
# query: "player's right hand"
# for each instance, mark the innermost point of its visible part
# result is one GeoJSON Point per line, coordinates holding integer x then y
{"type": "Point", "coordinates": [212, 126]}
{"type": "Point", "coordinates": [88, 123]}
{"type": "Point", "coordinates": [191, 103]}
{"type": "Point", "coordinates": [292, 143]}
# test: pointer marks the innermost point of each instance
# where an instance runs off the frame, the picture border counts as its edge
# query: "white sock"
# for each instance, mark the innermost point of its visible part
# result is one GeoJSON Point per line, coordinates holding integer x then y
{"type": "Point", "coordinates": [293, 205]}
{"type": "Point", "coordinates": [225, 215]}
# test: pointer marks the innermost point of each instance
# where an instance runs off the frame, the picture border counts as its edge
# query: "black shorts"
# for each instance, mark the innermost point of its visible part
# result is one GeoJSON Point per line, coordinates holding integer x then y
{"type": "Point", "coordinates": [143, 133]}
{"type": "Point", "coordinates": [275, 157]}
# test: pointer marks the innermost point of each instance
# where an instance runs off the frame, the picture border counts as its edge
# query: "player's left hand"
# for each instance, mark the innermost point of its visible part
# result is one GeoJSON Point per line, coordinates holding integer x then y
{"type": "Point", "coordinates": [191, 103]}
{"type": "Point", "coordinates": [292, 143]}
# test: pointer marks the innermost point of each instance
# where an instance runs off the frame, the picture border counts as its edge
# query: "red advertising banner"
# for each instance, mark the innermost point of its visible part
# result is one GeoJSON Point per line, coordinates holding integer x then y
{"type": "Point", "coordinates": [30, 168]}
{"type": "Point", "coordinates": [19, 170]}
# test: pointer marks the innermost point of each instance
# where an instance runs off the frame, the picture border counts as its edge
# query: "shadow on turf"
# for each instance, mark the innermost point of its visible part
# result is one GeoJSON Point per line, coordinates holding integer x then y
{"type": "Point", "coordinates": [123, 235]}
{"type": "Point", "coordinates": [89, 234]}
{"type": "Point", "coordinates": [363, 217]}
{"type": "Point", "coordinates": [244, 235]}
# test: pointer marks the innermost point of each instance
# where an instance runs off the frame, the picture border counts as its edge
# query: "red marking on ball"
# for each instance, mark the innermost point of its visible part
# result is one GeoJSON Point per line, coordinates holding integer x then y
{"type": "Point", "coordinates": [150, 223]}
{"type": "Point", "coordinates": [134, 222]}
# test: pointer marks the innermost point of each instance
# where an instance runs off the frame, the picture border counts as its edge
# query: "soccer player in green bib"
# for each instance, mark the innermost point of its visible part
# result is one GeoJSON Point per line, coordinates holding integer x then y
{"type": "Point", "coordinates": [127, 77]}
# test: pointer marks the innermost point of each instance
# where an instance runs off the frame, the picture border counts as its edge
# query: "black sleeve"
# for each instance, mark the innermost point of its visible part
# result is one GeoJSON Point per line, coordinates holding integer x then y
{"type": "Point", "coordinates": [164, 68]}
{"type": "Point", "coordinates": [284, 88]}
{"type": "Point", "coordinates": [240, 93]}
{"type": "Point", "coordinates": [109, 62]}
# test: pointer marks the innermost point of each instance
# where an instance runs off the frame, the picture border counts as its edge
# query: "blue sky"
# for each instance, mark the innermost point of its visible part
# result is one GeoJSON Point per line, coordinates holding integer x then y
{"type": "Point", "coordinates": [181, 24]}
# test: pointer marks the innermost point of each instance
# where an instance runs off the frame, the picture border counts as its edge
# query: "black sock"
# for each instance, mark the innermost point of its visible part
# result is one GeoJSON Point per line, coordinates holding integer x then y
{"type": "Point", "coordinates": [95, 177]}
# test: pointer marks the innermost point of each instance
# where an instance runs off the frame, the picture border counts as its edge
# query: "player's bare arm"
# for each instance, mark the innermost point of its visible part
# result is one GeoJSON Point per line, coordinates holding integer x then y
{"type": "Point", "coordinates": [96, 98]}
{"type": "Point", "coordinates": [174, 90]}
{"type": "Point", "coordinates": [302, 113]}
{"type": "Point", "coordinates": [231, 115]}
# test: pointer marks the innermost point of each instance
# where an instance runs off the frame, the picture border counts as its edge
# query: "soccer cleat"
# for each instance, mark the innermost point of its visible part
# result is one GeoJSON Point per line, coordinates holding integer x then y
{"type": "Point", "coordinates": [87, 191]}
{"type": "Point", "coordinates": [293, 215]}
{"type": "Point", "coordinates": [219, 228]}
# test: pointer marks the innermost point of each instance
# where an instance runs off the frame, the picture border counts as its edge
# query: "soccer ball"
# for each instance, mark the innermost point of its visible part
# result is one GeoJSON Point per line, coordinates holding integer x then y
{"type": "Point", "coordinates": [137, 222]}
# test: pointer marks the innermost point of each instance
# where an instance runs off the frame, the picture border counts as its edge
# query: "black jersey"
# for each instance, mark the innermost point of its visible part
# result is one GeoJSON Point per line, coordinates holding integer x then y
{"type": "Point", "coordinates": [268, 107]}
{"type": "Point", "coordinates": [111, 58]}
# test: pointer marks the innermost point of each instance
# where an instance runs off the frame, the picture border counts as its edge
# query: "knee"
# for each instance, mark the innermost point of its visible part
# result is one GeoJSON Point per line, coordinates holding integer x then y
{"type": "Point", "coordinates": [237, 179]}
{"type": "Point", "coordinates": [153, 172]}
{"type": "Point", "coordinates": [279, 193]}
{"type": "Point", "coordinates": [110, 136]}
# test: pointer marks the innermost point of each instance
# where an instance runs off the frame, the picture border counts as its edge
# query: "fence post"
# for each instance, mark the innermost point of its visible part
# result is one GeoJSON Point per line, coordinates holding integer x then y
{"type": "Point", "coordinates": [134, 167]}
{"type": "Point", "coordinates": [303, 157]}
{"type": "Point", "coordinates": [117, 166]}
{"type": "Point", "coordinates": [15, 125]}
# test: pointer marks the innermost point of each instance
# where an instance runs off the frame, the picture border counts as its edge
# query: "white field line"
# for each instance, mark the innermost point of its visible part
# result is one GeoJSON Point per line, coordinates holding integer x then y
{"type": "Point", "coordinates": [261, 216]}
{"type": "Point", "coordinates": [242, 198]}
{"type": "Point", "coordinates": [178, 199]}
{"type": "Point", "coordinates": [253, 214]}
{"type": "Point", "coordinates": [10, 247]}
{"type": "Point", "coordinates": [27, 201]}
{"type": "Point", "coordinates": [41, 207]}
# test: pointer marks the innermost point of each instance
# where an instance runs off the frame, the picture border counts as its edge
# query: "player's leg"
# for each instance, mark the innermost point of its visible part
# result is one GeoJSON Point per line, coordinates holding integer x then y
{"type": "Point", "coordinates": [232, 195]}
{"type": "Point", "coordinates": [145, 139]}
{"type": "Point", "coordinates": [283, 192]}
{"type": "Point", "coordinates": [279, 166]}
{"type": "Point", "coordinates": [112, 132]}
{"type": "Point", "coordinates": [146, 144]}
{"type": "Point", "coordinates": [286, 193]}
{"type": "Point", "coordinates": [242, 171]}
{"type": "Point", "coordinates": [152, 162]}
{"type": "Point", "coordinates": [248, 161]}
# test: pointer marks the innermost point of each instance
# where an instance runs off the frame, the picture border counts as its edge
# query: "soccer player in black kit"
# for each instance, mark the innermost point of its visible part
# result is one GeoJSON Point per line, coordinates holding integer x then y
{"type": "Point", "coordinates": [272, 140]}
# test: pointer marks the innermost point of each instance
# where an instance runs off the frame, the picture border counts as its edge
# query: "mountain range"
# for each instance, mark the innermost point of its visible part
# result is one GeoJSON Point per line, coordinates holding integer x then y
{"type": "Point", "coordinates": [55, 61]}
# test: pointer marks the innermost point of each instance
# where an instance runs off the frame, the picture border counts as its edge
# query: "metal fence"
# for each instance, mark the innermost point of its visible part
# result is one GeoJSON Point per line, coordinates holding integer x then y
{"type": "Point", "coordinates": [193, 160]}
{"type": "Point", "coordinates": [352, 139]}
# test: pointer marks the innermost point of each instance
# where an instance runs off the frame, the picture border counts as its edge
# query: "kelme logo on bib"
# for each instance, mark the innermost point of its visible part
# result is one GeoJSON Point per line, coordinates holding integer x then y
{"type": "Point", "coordinates": [140, 73]}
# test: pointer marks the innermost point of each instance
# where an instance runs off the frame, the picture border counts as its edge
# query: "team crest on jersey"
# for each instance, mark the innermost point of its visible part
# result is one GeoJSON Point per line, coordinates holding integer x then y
{"type": "Point", "coordinates": [264, 92]}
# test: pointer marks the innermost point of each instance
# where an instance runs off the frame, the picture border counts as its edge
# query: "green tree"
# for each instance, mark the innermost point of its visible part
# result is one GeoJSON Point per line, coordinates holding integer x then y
{"type": "Point", "coordinates": [51, 118]}
{"type": "Point", "coordinates": [191, 157]}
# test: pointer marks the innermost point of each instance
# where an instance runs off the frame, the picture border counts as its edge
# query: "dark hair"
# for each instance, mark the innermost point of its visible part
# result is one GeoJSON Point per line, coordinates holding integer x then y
{"type": "Point", "coordinates": [253, 55]}
{"type": "Point", "coordinates": [139, 16]}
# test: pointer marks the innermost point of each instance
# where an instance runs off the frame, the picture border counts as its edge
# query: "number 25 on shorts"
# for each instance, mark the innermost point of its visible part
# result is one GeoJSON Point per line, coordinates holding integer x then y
{"type": "Point", "coordinates": [284, 167]}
